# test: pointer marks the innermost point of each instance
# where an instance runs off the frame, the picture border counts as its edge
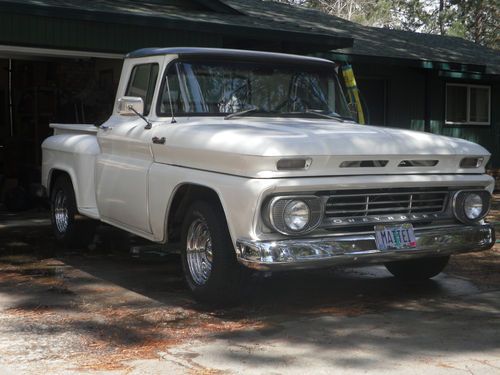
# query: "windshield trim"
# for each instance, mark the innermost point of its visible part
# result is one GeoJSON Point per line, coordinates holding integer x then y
{"type": "Point", "coordinates": [324, 65]}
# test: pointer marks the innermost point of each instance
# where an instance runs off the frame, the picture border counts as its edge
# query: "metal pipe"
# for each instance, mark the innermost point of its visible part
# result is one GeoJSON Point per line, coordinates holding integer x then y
{"type": "Point", "coordinates": [11, 120]}
{"type": "Point", "coordinates": [427, 102]}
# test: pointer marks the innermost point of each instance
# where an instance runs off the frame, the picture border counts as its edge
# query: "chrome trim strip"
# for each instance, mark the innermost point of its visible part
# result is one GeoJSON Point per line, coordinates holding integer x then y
{"type": "Point", "coordinates": [342, 232]}
{"type": "Point", "coordinates": [385, 209]}
{"type": "Point", "coordinates": [338, 222]}
{"type": "Point", "coordinates": [359, 249]}
{"type": "Point", "coordinates": [389, 193]}
{"type": "Point", "coordinates": [411, 200]}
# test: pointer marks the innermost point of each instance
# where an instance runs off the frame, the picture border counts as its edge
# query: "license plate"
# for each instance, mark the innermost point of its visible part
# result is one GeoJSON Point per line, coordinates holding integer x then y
{"type": "Point", "coordinates": [390, 237]}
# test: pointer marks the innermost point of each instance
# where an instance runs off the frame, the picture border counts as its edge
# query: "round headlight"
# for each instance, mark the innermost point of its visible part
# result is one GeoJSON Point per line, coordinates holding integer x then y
{"type": "Point", "coordinates": [296, 215]}
{"type": "Point", "coordinates": [473, 206]}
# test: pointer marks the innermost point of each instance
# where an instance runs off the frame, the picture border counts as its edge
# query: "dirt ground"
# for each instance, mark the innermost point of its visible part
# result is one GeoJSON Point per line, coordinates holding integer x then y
{"type": "Point", "coordinates": [122, 307]}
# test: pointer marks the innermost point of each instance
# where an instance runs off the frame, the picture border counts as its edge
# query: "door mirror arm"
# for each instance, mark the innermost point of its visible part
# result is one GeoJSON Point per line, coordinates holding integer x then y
{"type": "Point", "coordinates": [149, 125]}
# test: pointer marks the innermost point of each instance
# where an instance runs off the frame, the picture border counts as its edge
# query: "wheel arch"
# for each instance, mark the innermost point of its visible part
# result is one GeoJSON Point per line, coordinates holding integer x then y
{"type": "Point", "coordinates": [183, 196]}
{"type": "Point", "coordinates": [54, 174]}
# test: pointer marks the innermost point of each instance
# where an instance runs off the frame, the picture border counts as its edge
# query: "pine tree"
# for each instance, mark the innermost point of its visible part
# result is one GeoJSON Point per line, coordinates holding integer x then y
{"type": "Point", "coordinates": [475, 20]}
{"type": "Point", "coordinates": [481, 21]}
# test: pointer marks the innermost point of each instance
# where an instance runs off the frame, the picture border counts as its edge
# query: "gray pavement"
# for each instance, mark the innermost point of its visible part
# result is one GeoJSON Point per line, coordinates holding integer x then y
{"type": "Point", "coordinates": [434, 337]}
{"type": "Point", "coordinates": [122, 312]}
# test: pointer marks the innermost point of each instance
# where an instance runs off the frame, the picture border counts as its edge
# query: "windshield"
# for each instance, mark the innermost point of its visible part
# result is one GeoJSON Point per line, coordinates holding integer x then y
{"type": "Point", "coordinates": [224, 88]}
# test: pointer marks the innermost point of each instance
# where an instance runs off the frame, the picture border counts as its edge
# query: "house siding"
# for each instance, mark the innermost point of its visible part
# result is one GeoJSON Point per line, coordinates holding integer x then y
{"type": "Point", "coordinates": [406, 104]}
{"type": "Point", "coordinates": [486, 135]}
{"type": "Point", "coordinates": [54, 32]}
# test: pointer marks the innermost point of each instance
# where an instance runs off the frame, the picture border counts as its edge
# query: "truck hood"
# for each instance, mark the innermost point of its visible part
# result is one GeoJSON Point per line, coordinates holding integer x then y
{"type": "Point", "coordinates": [252, 146]}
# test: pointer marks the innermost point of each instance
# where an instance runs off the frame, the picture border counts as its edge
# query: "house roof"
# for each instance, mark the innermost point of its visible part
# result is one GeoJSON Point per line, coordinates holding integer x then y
{"type": "Point", "coordinates": [199, 15]}
{"type": "Point", "coordinates": [378, 42]}
{"type": "Point", "coordinates": [297, 29]}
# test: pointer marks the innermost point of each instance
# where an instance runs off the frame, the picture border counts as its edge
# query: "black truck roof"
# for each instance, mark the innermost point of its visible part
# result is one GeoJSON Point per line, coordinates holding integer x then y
{"type": "Point", "coordinates": [229, 54]}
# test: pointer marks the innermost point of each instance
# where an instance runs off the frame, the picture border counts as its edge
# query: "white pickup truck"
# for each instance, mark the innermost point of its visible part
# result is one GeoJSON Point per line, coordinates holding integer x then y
{"type": "Point", "coordinates": [252, 160]}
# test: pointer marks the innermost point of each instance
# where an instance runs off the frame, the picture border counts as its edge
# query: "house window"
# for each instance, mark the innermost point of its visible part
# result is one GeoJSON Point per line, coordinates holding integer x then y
{"type": "Point", "coordinates": [467, 104]}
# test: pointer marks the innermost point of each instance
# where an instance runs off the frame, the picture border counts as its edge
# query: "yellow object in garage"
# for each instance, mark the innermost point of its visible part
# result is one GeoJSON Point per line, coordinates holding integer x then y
{"type": "Point", "coordinates": [353, 91]}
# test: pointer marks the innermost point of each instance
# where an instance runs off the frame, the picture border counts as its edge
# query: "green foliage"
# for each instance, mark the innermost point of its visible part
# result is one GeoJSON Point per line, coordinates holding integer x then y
{"type": "Point", "coordinates": [475, 20]}
{"type": "Point", "coordinates": [481, 21]}
{"type": "Point", "coordinates": [410, 14]}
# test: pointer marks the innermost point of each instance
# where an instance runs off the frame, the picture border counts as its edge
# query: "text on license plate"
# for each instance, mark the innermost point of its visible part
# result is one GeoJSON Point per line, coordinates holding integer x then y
{"type": "Point", "coordinates": [389, 237]}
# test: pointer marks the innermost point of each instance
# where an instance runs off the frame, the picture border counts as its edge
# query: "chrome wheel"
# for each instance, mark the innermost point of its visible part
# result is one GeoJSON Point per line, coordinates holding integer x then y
{"type": "Point", "coordinates": [199, 251]}
{"type": "Point", "coordinates": [61, 215]}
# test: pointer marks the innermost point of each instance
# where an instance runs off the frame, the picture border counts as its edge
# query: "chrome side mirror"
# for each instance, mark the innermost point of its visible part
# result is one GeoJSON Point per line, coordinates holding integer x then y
{"type": "Point", "coordinates": [130, 106]}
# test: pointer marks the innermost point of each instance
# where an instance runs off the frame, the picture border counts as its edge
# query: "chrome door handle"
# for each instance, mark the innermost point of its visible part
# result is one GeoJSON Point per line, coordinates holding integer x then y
{"type": "Point", "coordinates": [106, 127]}
{"type": "Point", "coordinates": [159, 141]}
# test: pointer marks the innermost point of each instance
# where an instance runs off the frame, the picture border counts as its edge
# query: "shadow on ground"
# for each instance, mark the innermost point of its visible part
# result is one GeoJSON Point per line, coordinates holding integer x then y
{"type": "Point", "coordinates": [108, 305]}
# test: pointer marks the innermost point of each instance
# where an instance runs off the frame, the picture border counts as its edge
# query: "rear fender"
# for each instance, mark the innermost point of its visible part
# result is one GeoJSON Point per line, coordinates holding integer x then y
{"type": "Point", "coordinates": [74, 154]}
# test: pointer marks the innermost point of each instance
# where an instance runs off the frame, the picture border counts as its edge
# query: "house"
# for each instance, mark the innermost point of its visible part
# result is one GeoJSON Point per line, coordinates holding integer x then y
{"type": "Point", "coordinates": [60, 61]}
{"type": "Point", "coordinates": [440, 84]}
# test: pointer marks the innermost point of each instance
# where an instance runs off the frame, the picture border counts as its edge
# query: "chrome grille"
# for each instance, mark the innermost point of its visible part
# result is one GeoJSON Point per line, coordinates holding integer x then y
{"type": "Point", "coordinates": [360, 203]}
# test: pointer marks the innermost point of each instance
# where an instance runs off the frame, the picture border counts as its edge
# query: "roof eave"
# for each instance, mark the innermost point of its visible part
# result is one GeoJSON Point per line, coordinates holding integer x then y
{"type": "Point", "coordinates": [318, 42]}
{"type": "Point", "coordinates": [418, 63]}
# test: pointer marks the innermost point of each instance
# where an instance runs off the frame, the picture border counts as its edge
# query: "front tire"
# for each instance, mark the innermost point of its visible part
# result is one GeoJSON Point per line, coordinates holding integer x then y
{"type": "Point", "coordinates": [209, 262]}
{"type": "Point", "coordinates": [417, 269]}
{"type": "Point", "coordinates": [70, 229]}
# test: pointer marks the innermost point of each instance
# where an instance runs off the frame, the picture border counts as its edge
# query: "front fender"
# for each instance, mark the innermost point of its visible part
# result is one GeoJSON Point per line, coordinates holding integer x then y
{"type": "Point", "coordinates": [239, 196]}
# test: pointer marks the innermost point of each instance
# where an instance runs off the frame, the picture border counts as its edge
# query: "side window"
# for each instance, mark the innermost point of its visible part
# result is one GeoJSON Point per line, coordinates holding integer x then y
{"type": "Point", "coordinates": [142, 83]}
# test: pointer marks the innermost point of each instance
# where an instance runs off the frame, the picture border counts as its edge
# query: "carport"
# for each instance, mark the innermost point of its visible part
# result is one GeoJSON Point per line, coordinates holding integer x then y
{"type": "Point", "coordinates": [38, 86]}
{"type": "Point", "coordinates": [60, 62]}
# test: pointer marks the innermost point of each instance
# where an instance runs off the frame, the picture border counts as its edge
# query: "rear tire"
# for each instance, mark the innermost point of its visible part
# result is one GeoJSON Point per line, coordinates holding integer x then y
{"type": "Point", "coordinates": [70, 229]}
{"type": "Point", "coordinates": [417, 269]}
{"type": "Point", "coordinates": [209, 262]}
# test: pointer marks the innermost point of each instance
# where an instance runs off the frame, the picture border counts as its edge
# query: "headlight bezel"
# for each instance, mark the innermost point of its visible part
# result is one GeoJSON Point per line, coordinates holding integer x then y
{"type": "Point", "coordinates": [459, 199]}
{"type": "Point", "coordinates": [273, 213]}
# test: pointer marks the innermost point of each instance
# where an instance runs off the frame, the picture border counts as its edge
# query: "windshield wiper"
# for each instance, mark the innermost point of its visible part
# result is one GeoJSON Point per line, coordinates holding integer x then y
{"type": "Point", "coordinates": [244, 112]}
{"type": "Point", "coordinates": [316, 112]}
{"type": "Point", "coordinates": [327, 114]}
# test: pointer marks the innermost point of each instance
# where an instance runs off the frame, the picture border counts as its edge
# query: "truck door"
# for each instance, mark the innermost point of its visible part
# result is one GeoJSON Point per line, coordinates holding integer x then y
{"type": "Point", "coordinates": [123, 165]}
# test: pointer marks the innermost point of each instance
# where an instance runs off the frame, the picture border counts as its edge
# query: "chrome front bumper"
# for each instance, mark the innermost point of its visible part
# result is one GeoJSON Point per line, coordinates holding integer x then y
{"type": "Point", "coordinates": [301, 253]}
